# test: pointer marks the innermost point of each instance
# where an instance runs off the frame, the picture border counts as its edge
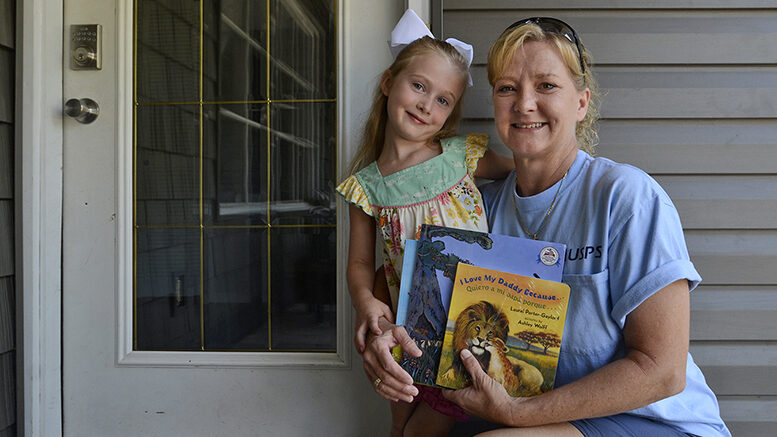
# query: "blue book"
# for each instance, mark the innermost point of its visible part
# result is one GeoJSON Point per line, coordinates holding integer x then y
{"type": "Point", "coordinates": [427, 279]}
{"type": "Point", "coordinates": [408, 266]}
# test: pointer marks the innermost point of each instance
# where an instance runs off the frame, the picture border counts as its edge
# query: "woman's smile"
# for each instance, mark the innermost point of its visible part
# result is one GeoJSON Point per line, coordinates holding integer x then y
{"type": "Point", "coordinates": [527, 125]}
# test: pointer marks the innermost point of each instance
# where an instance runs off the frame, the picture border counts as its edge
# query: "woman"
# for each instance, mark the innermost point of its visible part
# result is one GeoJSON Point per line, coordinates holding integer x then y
{"type": "Point", "coordinates": [625, 344]}
{"type": "Point", "coordinates": [624, 367]}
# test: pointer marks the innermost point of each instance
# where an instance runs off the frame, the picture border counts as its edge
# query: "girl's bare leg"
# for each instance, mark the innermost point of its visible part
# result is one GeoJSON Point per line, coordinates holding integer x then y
{"type": "Point", "coordinates": [425, 421]}
{"type": "Point", "coordinates": [400, 414]}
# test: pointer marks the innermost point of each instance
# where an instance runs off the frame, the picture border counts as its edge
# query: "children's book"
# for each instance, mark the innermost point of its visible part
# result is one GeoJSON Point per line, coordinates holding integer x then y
{"type": "Point", "coordinates": [511, 323]}
{"type": "Point", "coordinates": [425, 291]}
{"type": "Point", "coordinates": [408, 267]}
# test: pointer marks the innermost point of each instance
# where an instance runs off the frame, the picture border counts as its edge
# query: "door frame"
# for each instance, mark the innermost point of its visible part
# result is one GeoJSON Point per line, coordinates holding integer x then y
{"type": "Point", "coordinates": [39, 202]}
{"type": "Point", "coordinates": [38, 186]}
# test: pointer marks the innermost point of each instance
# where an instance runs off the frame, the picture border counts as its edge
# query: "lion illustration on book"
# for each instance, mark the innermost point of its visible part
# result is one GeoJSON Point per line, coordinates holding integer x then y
{"type": "Point", "coordinates": [476, 325]}
{"type": "Point", "coordinates": [518, 377]}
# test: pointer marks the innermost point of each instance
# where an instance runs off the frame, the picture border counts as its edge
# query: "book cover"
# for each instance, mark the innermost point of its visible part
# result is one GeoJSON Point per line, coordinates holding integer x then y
{"type": "Point", "coordinates": [423, 305]}
{"type": "Point", "coordinates": [408, 267]}
{"type": "Point", "coordinates": [512, 324]}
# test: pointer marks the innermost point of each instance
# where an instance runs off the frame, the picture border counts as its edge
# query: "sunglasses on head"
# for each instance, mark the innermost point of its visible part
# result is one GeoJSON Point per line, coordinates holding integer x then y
{"type": "Point", "coordinates": [556, 26]}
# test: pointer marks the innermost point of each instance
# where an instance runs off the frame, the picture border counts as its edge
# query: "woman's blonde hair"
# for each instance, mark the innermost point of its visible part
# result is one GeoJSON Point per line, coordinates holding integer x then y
{"type": "Point", "coordinates": [511, 40]}
{"type": "Point", "coordinates": [374, 133]}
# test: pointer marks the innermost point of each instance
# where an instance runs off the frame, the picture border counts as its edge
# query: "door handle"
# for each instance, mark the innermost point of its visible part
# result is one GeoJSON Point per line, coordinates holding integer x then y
{"type": "Point", "coordinates": [83, 110]}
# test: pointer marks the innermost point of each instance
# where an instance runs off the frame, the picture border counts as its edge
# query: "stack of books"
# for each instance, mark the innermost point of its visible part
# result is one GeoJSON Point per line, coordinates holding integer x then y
{"type": "Point", "coordinates": [496, 295]}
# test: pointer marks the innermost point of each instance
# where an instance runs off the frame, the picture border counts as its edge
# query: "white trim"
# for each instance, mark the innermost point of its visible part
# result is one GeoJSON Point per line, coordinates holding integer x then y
{"type": "Point", "coordinates": [344, 321]}
{"type": "Point", "coordinates": [233, 359]}
{"type": "Point", "coordinates": [125, 356]}
{"type": "Point", "coordinates": [422, 8]}
{"type": "Point", "coordinates": [124, 103]}
{"type": "Point", "coordinates": [39, 266]}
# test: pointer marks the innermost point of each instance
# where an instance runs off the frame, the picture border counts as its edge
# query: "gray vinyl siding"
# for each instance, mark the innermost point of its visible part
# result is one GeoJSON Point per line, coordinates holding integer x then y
{"type": "Point", "coordinates": [690, 96]}
{"type": "Point", "coordinates": [7, 306]}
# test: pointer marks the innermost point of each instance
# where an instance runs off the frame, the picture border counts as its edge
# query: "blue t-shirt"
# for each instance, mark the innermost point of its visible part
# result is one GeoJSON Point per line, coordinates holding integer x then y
{"type": "Point", "coordinates": [624, 242]}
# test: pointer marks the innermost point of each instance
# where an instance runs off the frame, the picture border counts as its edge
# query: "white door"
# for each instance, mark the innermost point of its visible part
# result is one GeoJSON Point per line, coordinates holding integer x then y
{"type": "Point", "coordinates": [119, 377]}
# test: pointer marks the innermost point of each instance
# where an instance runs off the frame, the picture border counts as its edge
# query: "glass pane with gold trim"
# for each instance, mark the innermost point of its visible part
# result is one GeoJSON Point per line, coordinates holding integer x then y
{"type": "Point", "coordinates": [168, 51]}
{"type": "Point", "coordinates": [235, 292]}
{"type": "Point", "coordinates": [236, 138]}
{"type": "Point", "coordinates": [167, 289]}
{"type": "Point", "coordinates": [167, 180]}
{"type": "Point", "coordinates": [302, 175]}
{"type": "Point", "coordinates": [231, 185]}
{"type": "Point", "coordinates": [235, 56]}
{"type": "Point", "coordinates": [303, 51]}
{"type": "Point", "coordinates": [303, 287]}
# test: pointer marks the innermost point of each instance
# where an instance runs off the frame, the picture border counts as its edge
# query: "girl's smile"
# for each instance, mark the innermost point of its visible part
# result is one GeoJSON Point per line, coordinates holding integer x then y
{"type": "Point", "coordinates": [416, 119]}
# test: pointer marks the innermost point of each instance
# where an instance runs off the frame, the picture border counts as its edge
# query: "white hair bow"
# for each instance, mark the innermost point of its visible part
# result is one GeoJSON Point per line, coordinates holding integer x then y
{"type": "Point", "coordinates": [410, 28]}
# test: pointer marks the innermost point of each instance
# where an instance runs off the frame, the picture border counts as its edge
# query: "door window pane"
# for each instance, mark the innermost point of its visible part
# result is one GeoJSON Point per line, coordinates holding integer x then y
{"type": "Point", "coordinates": [302, 144]}
{"type": "Point", "coordinates": [303, 304]}
{"type": "Point", "coordinates": [167, 171]}
{"type": "Point", "coordinates": [167, 51]}
{"type": "Point", "coordinates": [303, 64]}
{"type": "Point", "coordinates": [235, 54]}
{"type": "Point", "coordinates": [237, 139]}
{"type": "Point", "coordinates": [236, 298]}
{"type": "Point", "coordinates": [234, 170]}
{"type": "Point", "coordinates": [167, 289]}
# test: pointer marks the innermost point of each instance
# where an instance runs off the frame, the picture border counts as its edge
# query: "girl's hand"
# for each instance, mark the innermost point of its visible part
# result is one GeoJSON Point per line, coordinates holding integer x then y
{"type": "Point", "coordinates": [367, 316]}
{"type": "Point", "coordinates": [485, 398]}
{"type": "Point", "coordinates": [387, 377]}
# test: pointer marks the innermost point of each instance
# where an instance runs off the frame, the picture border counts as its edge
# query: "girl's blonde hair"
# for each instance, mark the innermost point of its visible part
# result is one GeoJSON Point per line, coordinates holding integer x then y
{"type": "Point", "coordinates": [374, 133]}
{"type": "Point", "coordinates": [511, 40]}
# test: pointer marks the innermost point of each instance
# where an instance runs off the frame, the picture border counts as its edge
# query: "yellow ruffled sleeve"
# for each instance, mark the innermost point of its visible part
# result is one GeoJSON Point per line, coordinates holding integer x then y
{"type": "Point", "coordinates": [354, 193]}
{"type": "Point", "coordinates": [475, 147]}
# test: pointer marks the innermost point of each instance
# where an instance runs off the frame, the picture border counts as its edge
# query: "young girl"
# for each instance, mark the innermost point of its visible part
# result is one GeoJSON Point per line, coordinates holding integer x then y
{"type": "Point", "coordinates": [411, 170]}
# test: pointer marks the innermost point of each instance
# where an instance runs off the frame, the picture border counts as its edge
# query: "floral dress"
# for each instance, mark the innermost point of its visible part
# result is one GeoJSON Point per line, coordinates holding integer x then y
{"type": "Point", "coordinates": [439, 191]}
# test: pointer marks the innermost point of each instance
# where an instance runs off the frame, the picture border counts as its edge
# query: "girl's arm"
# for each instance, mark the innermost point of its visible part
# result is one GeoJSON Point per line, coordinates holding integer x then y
{"type": "Point", "coordinates": [361, 277]}
{"type": "Point", "coordinates": [494, 166]}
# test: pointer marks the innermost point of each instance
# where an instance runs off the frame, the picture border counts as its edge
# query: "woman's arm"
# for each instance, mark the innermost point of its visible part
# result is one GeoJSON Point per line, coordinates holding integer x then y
{"type": "Point", "coordinates": [494, 166]}
{"type": "Point", "coordinates": [361, 277]}
{"type": "Point", "coordinates": [656, 334]}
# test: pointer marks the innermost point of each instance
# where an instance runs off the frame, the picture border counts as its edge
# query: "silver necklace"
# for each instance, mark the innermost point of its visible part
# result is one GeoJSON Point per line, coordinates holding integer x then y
{"type": "Point", "coordinates": [547, 214]}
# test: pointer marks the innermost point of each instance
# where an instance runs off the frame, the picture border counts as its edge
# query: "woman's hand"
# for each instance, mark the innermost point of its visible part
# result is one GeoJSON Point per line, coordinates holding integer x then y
{"type": "Point", "coordinates": [368, 313]}
{"type": "Point", "coordinates": [485, 398]}
{"type": "Point", "coordinates": [656, 336]}
{"type": "Point", "coordinates": [388, 378]}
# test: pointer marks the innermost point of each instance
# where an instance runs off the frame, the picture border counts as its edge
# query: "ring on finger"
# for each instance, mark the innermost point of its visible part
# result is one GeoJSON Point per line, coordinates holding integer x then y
{"type": "Point", "coordinates": [376, 383]}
